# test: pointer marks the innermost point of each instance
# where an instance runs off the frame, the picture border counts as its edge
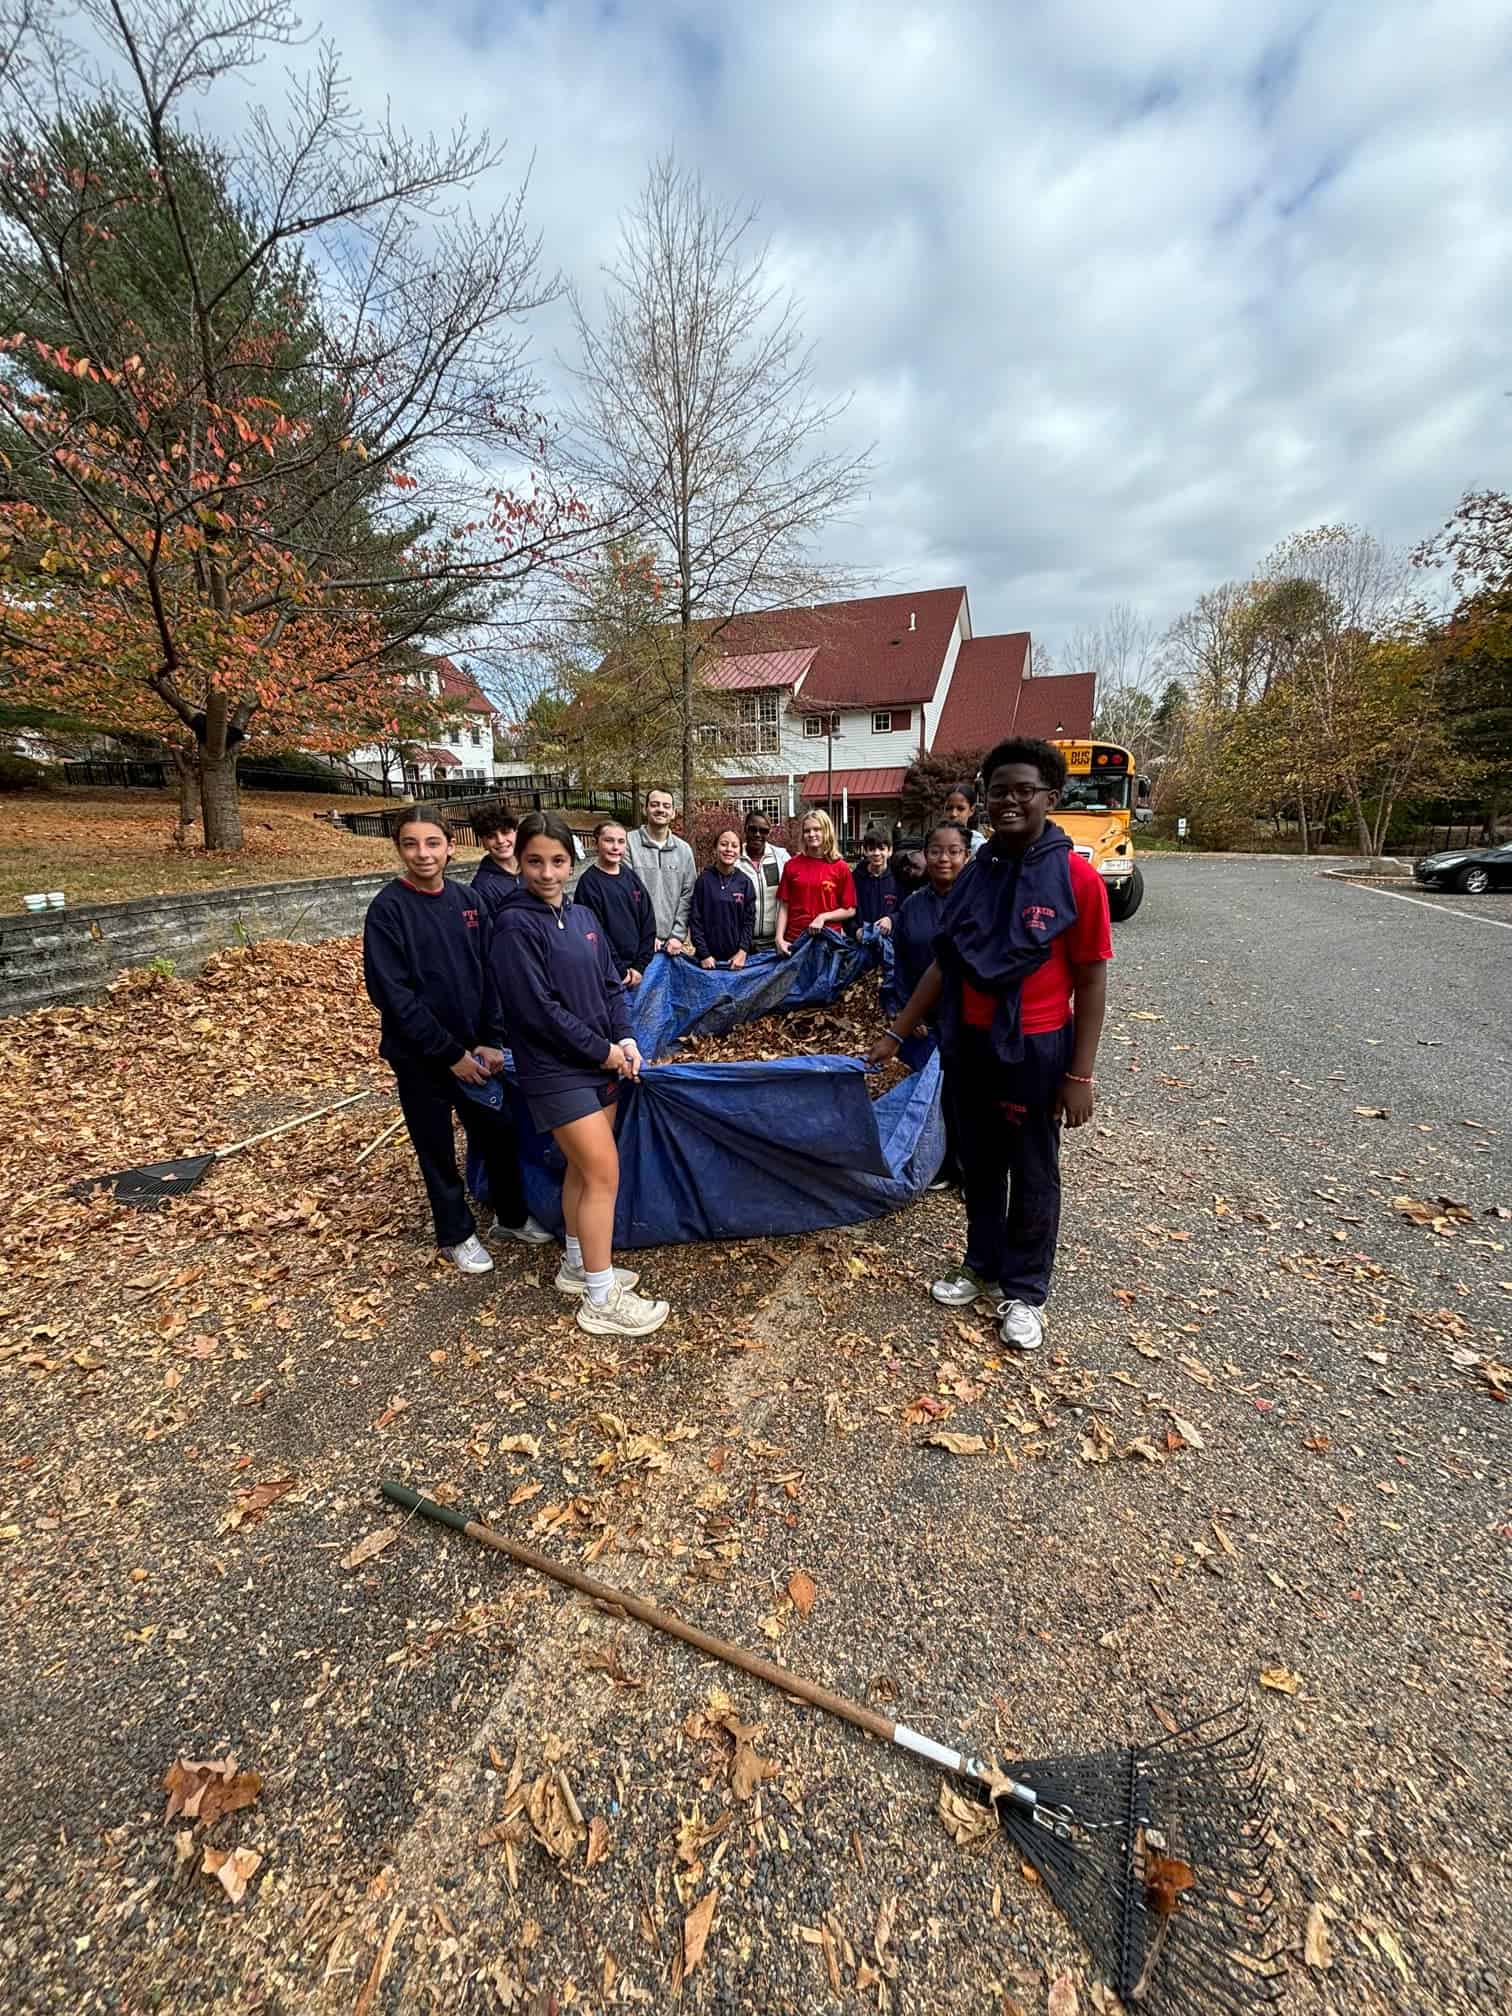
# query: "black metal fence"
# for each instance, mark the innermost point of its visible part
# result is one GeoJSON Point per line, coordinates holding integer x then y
{"type": "Point", "coordinates": [144, 774]}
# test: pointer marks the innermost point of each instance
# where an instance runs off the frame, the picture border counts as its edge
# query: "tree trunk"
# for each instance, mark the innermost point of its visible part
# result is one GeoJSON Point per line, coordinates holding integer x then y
{"type": "Point", "coordinates": [1302, 823]}
{"type": "Point", "coordinates": [687, 729]}
{"type": "Point", "coordinates": [221, 802]}
{"type": "Point", "coordinates": [185, 757]}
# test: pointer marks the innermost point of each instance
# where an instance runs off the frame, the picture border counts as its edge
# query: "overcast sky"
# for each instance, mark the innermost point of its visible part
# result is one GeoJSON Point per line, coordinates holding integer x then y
{"type": "Point", "coordinates": [1124, 293]}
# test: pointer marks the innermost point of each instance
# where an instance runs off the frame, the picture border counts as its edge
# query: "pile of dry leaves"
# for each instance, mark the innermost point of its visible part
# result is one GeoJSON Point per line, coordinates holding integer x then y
{"type": "Point", "coordinates": [845, 1028]}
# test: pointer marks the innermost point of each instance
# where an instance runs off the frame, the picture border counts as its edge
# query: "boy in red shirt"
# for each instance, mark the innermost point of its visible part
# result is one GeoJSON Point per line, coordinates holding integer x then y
{"type": "Point", "coordinates": [1018, 990]}
{"type": "Point", "coordinates": [816, 892]}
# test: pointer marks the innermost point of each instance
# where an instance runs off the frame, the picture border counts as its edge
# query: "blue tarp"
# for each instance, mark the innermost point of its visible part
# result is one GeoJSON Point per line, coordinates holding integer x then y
{"type": "Point", "coordinates": [720, 1151]}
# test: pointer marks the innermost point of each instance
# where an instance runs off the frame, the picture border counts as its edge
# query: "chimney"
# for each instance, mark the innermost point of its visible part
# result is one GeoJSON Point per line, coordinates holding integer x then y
{"type": "Point", "coordinates": [913, 621]}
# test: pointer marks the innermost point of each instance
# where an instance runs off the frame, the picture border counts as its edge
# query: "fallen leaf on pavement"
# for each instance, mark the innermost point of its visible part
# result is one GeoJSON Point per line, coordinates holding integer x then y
{"type": "Point", "coordinates": [966, 1821]}
{"type": "Point", "coordinates": [376, 1541]}
{"type": "Point", "coordinates": [519, 1445]}
{"type": "Point", "coordinates": [1317, 1950]}
{"type": "Point", "coordinates": [958, 1445]}
{"type": "Point", "coordinates": [598, 1841]}
{"type": "Point", "coordinates": [696, 1930]}
{"type": "Point", "coordinates": [232, 1869]}
{"type": "Point", "coordinates": [1097, 1445]}
{"type": "Point", "coordinates": [1165, 1879]}
{"type": "Point", "coordinates": [607, 1660]}
{"type": "Point", "coordinates": [802, 1590]}
{"type": "Point", "coordinates": [551, 1817]}
{"type": "Point", "coordinates": [1386, 1939]}
{"type": "Point", "coordinates": [1063, 1997]}
{"type": "Point", "coordinates": [254, 1500]}
{"type": "Point", "coordinates": [1374, 1112]}
{"type": "Point", "coordinates": [204, 1792]}
{"type": "Point", "coordinates": [1280, 1680]}
{"type": "Point", "coordinates": [1190, 1435]}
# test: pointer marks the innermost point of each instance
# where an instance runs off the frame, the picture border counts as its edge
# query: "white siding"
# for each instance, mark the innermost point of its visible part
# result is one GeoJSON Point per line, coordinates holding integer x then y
{"type": "Point", "coordinates": [936, 707]}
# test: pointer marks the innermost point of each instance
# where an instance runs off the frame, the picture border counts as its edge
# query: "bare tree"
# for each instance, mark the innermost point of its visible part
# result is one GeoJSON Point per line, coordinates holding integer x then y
{"type": "Point", "coordinates": [280, 467]}
{"type": "Point", "coordinates": [1119, 655]}
{"type": "Point", "coordinates": [698, 425]}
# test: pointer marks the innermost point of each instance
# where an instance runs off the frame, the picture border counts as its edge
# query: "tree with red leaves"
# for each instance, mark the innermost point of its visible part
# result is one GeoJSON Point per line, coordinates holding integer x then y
{"type": "Point", "coordinates": [240, 496]}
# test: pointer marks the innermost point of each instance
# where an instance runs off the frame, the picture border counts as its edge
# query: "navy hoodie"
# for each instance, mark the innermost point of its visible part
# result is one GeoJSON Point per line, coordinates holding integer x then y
{"type": "Point", "coordinates": [560, 991]}
{"type": "Point", "coordinates": [1000, 917]}
{"type": "Point", "coordinates": [913, 934]}
{"type": "Point", "coordinates": [495, 885]}
{"type": "Point", "coordinates": [876, 897]}
{"type": "Point", "coordinates": [622, 904]}
{"type": "Point", "coordinates": [423, 966]}
{"type": "Point", "coordinates": [722, 915]}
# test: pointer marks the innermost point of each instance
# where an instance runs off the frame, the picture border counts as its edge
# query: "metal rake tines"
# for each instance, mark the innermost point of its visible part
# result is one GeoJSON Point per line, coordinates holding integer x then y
{"type": "Point", "coordinates": [1159, 1857]}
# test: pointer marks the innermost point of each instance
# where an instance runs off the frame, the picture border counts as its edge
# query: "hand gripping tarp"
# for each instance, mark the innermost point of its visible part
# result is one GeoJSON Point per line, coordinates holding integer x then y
{"type": "Point", "coordinates": [742, 1151]}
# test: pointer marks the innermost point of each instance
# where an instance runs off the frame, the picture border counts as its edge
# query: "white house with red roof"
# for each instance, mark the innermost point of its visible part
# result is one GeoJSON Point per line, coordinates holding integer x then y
{"type": "Point", "coordinates": [461, 751]}
{"type": "Point", "coordinates": [835, 702]}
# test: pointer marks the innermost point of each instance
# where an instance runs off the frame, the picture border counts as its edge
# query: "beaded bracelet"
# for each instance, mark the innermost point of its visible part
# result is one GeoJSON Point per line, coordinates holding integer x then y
{"type": "Point", "coordinates": [1075, 1080]}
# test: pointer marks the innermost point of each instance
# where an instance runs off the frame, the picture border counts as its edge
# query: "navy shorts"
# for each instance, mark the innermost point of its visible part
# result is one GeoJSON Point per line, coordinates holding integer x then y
{"type": "Point", "coordinates": [560, 1109]}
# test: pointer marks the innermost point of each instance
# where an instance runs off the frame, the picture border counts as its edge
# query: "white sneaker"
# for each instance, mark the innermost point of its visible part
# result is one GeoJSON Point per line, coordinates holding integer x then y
{"type": "Point", "coordinates": [574, 1280]}
{"type": "Point", "coordinates": [1022, 1325]}
{"type": "Point", "coordinates": [472, 1256]}
{"type": "Point", "coordinates": [528, 1234]}
{"type": "Point", "coordinates": [625, 1314]}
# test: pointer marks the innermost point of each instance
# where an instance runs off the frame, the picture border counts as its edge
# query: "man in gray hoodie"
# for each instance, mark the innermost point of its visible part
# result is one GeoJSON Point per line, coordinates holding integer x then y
{"type": "Point", "coordinates": [665, 864]}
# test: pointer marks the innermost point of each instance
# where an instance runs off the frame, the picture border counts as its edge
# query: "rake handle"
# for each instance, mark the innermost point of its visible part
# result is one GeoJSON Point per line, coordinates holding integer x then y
{"type": "Point", "coordinates": [648, 1613]}
{"type": "Point", "coordinates": [283, 1127]}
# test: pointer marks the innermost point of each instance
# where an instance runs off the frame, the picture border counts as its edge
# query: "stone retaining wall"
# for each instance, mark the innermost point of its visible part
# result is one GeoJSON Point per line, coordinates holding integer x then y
{"type": "Point", "coordinates": [74, 954]}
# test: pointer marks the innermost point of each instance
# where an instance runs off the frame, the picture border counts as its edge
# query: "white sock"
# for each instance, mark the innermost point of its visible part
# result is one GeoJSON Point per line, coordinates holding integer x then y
{"type": "Point", "coordinates": [574, 1253]}
{"type": "Point", "coordinates": [600, 1280]}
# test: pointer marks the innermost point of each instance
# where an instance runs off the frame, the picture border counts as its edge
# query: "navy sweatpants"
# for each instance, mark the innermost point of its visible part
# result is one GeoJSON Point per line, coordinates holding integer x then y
{"type": "Point", "coordinates": [1009, 1147]}
{"type": "Point", "coordinates": [428, 1097]}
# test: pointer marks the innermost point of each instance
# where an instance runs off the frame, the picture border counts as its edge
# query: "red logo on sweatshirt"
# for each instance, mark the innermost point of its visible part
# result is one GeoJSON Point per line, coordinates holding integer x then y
{"type": "Point", "coordinates": [1038, 916]}
{"type": "Point", "coordinates": [591, 936]}
{"type": "Point", "coordinates": [470, 919]}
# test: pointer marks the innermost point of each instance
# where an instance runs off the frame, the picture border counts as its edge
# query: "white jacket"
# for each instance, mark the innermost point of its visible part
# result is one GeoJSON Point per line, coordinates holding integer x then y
{"type": "Point", "coordinates": [763, 877]}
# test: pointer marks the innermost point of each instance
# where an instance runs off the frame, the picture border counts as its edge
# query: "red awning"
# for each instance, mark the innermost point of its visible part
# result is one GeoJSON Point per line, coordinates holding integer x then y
{"type": "Point", "coordinates": [436, 758]}
{"type": "Point", "coordinates": [857, 783]}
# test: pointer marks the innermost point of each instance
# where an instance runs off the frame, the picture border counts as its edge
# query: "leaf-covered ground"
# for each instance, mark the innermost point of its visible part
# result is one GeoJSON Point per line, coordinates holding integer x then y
{"type": "Point", "coordinates": [1263, 1457]}
{"type": "Point", "coordinates": [106, 846]}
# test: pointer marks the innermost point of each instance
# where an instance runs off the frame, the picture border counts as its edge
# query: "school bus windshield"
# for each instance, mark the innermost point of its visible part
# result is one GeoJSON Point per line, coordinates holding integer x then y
{"type": "Point", "coordinates": [1105, 793]}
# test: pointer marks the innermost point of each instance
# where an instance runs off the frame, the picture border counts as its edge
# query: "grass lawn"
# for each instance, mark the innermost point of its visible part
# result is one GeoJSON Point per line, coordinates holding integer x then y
{"type": "Point", "coordinates": [106, 846]}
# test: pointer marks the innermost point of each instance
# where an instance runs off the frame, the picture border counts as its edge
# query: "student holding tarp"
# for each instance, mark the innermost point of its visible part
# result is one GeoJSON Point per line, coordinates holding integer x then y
{"type": "Point", "coordinates": [1018, 991]}
{"type": "Point", "coordinates": [721, 915]}
{"type": "Point", "coordinates": [569, 1034]}
{"type": "Point", "coordinates": [424, 968]}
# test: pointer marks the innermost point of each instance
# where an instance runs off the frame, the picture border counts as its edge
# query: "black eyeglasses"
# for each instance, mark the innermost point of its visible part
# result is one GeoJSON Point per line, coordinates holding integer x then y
{"type": "Point", "coordinates": [1022, 793]}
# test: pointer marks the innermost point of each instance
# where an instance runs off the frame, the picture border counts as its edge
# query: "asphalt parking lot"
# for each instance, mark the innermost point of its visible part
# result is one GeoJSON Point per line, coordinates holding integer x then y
{"type": "Point", "coordinates": [1265, 1438]}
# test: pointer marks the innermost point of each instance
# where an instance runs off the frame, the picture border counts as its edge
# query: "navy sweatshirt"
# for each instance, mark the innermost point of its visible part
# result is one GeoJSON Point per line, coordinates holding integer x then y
{"type": "Point", "coordinates": [495, 885]}
{"type": "Point", "coordinates": [423, 965]}
{"type": "Point", "coordinates": [622, 904]}
{"type": "Point", "coordinates": [876, 896]}
{"type": "Point", "coordinates": [560, 990]}
{"type": "Point", "coordinates": [722, 914]}
{"type": "Point", "coordinates": [913, 935]}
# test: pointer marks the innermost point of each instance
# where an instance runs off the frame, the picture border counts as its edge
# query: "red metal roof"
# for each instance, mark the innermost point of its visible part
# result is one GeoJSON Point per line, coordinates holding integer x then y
{"type": "Point", "coordinates": [866, 654]}
{"type": "Point", "coordinates": [459, 685]}
{"type": "Point", "coordinates": [859, 783]}
{"type": "Point", "coordinates": [443, 757]}
{"type": "Point", "coordinates": [1061, 705]}
{"type": "Point", "coordinates": [741, 672]}
{"type": "Point", "coordinates": [990, 697]}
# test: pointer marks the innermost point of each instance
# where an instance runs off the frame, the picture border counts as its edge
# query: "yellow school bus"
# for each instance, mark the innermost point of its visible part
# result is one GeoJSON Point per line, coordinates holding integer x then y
{"type": "Point", "coordinates": [1097, 810]}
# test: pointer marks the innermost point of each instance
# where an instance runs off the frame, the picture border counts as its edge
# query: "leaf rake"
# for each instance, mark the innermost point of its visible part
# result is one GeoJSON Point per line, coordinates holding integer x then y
{"type": "Point", "coordinates": [1158, 1855]}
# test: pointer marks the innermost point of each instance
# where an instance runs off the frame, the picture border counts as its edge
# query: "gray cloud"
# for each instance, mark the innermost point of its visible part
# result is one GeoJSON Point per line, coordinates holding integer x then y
{"type": "Point", "coordinates": [1123, 295]}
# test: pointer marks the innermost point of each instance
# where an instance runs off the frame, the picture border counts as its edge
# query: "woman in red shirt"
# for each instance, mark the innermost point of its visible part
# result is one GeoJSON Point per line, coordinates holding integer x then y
{"type": "Point", "coordinates": [816, 892]}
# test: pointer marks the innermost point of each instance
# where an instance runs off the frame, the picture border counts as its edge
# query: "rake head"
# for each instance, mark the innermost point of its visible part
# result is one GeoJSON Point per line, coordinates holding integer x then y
{"type": "Point", "coordinates": [1159, 1858]}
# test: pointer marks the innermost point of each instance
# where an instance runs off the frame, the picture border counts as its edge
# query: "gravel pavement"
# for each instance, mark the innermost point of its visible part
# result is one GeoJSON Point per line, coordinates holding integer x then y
{"type": "Point", "coordinates": [1264, 1437]}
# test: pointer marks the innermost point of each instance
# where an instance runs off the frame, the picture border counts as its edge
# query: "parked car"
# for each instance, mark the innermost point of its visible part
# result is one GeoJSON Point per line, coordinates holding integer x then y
{"type": "Point", "coordinates": [1473, 869]}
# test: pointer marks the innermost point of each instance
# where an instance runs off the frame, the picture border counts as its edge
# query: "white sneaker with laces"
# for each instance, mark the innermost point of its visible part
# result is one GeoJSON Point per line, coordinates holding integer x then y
{"type": "Point", "coordinates": [625, 1314]}
{"type": "Point", "coordinates": [1022, 1325]}
{"type": "Point", "coordinates": [528, 1234]}
{"type": "Point", "coordinates": [574, 1280]}
{"type": "Point", "coordinates": [471, 1257]}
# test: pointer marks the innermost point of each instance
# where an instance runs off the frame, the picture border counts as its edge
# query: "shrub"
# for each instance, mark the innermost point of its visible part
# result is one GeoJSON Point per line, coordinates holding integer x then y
{"type": "Point", "coordinates": [20, 773]}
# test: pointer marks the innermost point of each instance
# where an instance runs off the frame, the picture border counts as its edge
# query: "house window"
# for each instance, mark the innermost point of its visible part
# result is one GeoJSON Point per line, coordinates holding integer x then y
{"type": "Point", "coordinates": [815, 726]}
{"type": "Point", "coordinates": [771, 807]}
{"type": "Point", "coordinates": [760, 732]}
{"type": "Point", "coordinates": [477, 737]}
{"type": "Point", "coordinates": [882, 724]}
{"type": "Point", "coordinates": [708, 733]}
